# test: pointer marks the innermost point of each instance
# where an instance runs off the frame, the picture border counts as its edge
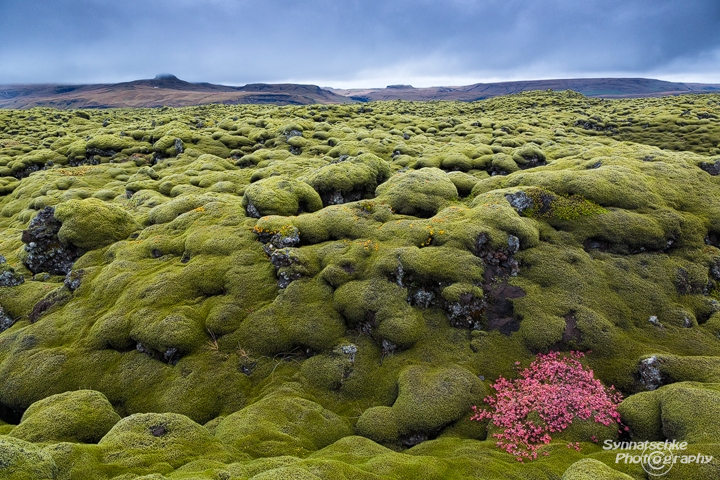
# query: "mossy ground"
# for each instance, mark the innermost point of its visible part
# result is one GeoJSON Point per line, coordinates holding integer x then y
{"type": "Point", "coordinates": [366, 271]}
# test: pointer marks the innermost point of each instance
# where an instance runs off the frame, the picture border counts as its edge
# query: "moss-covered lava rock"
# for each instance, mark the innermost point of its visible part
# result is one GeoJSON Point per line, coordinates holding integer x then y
{"type": "Point", "coordinates": [79, 416]}
{"type": "Point", "coordinates": [327, 290]}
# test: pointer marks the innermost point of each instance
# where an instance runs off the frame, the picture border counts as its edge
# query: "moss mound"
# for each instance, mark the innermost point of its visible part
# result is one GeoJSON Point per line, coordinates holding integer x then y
{"type": "Point", "coordinates": [91, 223]}
{"type": "Point", "coordinates": [420, 192]}
{"type": "Point", "coordinates": [442, 394]}
{"type": "Point", "coordinates": [80, 416]}
{"type": "Point", "coordinates": [281, 425]}
{"type": "Point", "coordinates": [349, 179]}
{"type": "Point", "coordinates": [589, 469]}
{"type": "Point", "coordinates": [21, 460]}
{"type": "Point", "coordinates": [280, 196]}
{"type": "Point", "coordinates": [146, 439]}
{"type": "Point", "coordinates": [684, 411]}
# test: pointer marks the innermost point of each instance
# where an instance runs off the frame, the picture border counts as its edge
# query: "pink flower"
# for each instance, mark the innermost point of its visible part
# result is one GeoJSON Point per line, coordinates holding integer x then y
{"type": "Point", "coordinates": [557, 389]}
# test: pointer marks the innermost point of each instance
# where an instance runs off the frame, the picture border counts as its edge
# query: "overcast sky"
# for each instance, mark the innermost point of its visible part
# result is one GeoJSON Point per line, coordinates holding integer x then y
{"type": "Point", "coordinates": [354, 43]}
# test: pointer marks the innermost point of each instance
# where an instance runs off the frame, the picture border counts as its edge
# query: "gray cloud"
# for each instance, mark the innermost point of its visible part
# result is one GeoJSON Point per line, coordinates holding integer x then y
{"type": "Point", "coordinates": [354, 42]}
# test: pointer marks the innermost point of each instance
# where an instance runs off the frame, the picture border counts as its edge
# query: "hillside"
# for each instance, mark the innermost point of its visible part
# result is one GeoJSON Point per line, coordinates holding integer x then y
{"type": "Point", "coordinates": [168, 90]}
{"type": "Point", "coordinates": [325, 291]}
{"type": "Point", "coordinates": [164, 90]}
{"type": "Point", "coordinates": [591, 87]}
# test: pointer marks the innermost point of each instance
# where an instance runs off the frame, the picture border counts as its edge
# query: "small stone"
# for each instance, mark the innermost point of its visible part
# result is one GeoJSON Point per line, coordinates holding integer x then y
{"type": "Point", "coordinates": [414, 439]}
{"type": "Point", "coordinates": [513, 244]}
{"type": "Point", "coordinates": [388, 347]}
{"type": "Point", "coordinates": [350, 351]}
{"type": "Point", "coordinates": [289, 237]}
{"type": "Point", "coordinates": [281, 258]}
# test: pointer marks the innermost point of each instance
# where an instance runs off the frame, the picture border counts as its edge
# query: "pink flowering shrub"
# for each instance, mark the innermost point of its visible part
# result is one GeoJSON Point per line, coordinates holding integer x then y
{"type": "Point", "coordinates": [548, 396]}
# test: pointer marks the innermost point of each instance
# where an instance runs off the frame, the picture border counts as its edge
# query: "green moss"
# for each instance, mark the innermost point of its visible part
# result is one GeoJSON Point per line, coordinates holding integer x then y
{"type": "Point", "coordinates": [428, 399]}
{"type": "Point", "coordinates": [456, 162]}
{"type": "Point", "coordinates": [503, 164]}
{"type": "Point", "coordinates": [21, 460]}
{"type": "Point", "coordinates": [379, 424]}
{"type": "Point", "coordinates": [92, 223]}
{"type": "Point", "coordinates": [189, 316]}
{"type": "Point", "coordinates": [421, 192]}
{"type": "Point", "coordinates": [281, 425]}
{"type": "Point", "coordinates": [382, 304]}
{"type": "Point", "coordinates": [642, 413]}
{"type": "Point", "coordinates": [301, 316]}
{"type": "Point", "coordinates": [146, 439]}
{"type": "Point", "coordinates": [80, 416]}
{"type": "Point", "coordinates": [280, 196]}
{"type": "Point", "coordinates": [359, 175]}
{"type": "Point", "coordinates": [664, 413]}
{"type": "Point", "coordinates": [463, 182]}
{"type": "Point", "coordinates": [563, 207]}
{"type": "Point", "coordinates": [700, 426]}
{"type": "Point", "coordinates": [590, 469]}
{"type": "Point", "coordinates": [107, 145]}
{"type": "Point", "coordinates": [529, 156]}
{"type": "Point", "coordinates": [286, 473]}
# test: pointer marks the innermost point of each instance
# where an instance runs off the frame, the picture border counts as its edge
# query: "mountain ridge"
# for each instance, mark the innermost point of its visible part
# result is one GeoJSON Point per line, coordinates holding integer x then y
{"type": "Point", "coordinates": [169, 90]}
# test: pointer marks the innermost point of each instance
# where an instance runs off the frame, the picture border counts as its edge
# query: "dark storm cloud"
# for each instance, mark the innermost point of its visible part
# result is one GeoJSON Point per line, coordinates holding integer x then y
{"type": "Point", "coordinates": [354, 42]}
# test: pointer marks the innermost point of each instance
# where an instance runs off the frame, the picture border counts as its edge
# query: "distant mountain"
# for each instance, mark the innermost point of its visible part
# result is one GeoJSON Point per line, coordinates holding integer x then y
{"type": "Point", "coordinates": [168, 90]}
{"type": "Point", "coordinates": [591, 87]}
{"type": "Point", "coordinates": [163, 90]}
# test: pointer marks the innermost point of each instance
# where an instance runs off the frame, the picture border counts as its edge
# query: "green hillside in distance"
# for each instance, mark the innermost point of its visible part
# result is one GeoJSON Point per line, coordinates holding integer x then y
{"type": "Point", "coordinates": [325, 291]}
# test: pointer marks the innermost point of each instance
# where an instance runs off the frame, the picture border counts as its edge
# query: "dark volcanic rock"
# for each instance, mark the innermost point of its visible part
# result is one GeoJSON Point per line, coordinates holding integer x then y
{"type": "Point", "coordinates": [57, 297]}
{"type": "Point", "coordinates": [498, 262]}
{"type": "Point", "coordinates": [45, 252]}
{"type": "Point", "coordinates": [650, 374]}
{"type": "Point", "coordinates": [73, 279]}
{"type": "Point", "coordinates": [711, 168]}
{"type": "Point", "coordinates": [715, 269]}
{"type": "Point", "coordinates": [8, 276]}
{"type": "Point", "coordinates": [5, 321]}
{"type": "Point", "coordinates": [466, 313]}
